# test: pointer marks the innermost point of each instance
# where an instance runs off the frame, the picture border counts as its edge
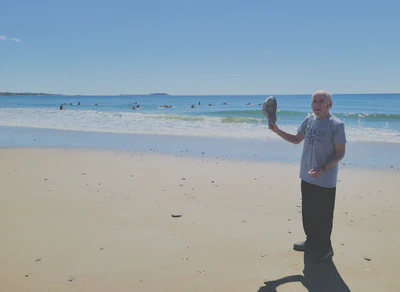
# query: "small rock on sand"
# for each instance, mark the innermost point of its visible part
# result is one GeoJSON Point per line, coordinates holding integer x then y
{"type": "Point", "coordinates": [176, 215]}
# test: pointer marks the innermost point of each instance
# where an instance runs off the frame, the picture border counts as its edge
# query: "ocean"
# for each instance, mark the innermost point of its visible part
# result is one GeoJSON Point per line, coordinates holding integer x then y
{"type": "Point", "coordinates": [367, 117]}
{"type": "Point", "coordinates": [221, 126]}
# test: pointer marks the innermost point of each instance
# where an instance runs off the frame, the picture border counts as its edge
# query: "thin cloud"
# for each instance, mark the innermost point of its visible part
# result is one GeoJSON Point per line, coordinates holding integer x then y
{"type": "Point", "coordinates": [3, 38]}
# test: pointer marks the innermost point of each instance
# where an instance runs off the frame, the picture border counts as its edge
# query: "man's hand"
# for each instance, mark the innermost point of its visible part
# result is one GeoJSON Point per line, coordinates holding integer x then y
{"type": "Point", "coordinates": [315, 172]}
{"type": "Point", "coordinates": [273, 127]}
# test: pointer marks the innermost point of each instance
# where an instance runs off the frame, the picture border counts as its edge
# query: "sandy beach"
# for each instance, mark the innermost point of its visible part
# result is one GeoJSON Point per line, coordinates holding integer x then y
{"type": "Point", "coordinates": [91, 220]}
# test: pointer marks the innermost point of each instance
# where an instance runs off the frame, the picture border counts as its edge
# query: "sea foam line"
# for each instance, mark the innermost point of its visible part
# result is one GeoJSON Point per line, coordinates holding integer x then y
{"type": "Point", "coordinates": [162, 124]}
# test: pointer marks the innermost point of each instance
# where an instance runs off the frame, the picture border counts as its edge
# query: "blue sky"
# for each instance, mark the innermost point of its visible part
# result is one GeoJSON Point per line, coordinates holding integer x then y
{"type": "Point", "coordinates": [199, 47]}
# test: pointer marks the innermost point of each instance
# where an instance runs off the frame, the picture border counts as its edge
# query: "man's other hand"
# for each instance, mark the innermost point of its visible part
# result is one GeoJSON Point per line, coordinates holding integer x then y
{"type": "Point", "coordinates": [315, 172]}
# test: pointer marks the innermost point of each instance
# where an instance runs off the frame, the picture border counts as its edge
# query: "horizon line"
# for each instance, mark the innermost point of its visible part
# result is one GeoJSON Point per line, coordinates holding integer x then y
{"type": "Point", "coordinates": [167, 94]}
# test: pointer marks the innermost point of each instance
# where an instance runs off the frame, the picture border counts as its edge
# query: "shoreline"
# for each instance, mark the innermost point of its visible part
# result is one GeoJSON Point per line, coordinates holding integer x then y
{"type": "Point", "coordinates": [369, 155]}
{"type": "Point", "coordinates": [101, 220]}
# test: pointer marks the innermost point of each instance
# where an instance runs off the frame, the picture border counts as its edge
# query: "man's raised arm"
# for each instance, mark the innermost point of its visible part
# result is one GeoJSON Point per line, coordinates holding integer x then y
{"type": "Point", "coordinates": [295, 139]}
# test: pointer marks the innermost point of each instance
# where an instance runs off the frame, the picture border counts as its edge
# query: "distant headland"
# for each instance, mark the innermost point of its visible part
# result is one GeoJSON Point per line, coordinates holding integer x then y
{"type": "Point", "coordinates": [157, 93]}
{"type": "Point", "coordinates": [58, 94]}
{"type": "Point", "coordinates": [25, 93]}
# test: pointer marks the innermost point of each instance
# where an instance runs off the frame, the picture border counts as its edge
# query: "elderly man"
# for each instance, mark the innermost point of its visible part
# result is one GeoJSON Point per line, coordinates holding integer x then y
{"type": "Point", "coordinates": [324, 147]}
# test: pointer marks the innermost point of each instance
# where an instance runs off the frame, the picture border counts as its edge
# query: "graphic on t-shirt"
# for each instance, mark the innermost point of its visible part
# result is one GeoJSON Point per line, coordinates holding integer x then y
{"type": "Point", "coordinates": [315, 135]}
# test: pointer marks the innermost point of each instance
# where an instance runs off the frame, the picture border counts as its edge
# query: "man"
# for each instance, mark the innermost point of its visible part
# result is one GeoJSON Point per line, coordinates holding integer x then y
{"type": "Point", "coordinates": [324, 147]}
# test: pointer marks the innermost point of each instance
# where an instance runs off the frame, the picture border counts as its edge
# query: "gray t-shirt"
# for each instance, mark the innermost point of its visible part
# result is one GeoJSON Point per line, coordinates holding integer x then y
{"type": "Point", "coordinates": [320, 136]}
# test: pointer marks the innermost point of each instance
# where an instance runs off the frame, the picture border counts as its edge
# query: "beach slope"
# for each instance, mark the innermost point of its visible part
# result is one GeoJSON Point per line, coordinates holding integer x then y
{"type": "Point", "coordinates": [89, 220]}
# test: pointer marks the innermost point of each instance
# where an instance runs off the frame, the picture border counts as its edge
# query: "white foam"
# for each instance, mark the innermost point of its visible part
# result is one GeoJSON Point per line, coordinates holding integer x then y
{"type": "Point", "coordinates": [137, 123]}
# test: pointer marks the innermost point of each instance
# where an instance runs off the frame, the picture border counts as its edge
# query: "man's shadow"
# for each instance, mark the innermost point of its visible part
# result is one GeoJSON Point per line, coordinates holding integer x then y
{"type": "Point", "coordinates": [319, 276]}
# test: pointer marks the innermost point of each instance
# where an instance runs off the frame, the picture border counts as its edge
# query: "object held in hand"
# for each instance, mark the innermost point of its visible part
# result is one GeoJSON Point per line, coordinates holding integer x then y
{"type": "Point", "coordinates": [269, 107]}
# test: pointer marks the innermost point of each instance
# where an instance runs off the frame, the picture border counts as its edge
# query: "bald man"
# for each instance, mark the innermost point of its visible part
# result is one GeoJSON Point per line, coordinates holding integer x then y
{"type": "Point", "coordinates": [324, 146]}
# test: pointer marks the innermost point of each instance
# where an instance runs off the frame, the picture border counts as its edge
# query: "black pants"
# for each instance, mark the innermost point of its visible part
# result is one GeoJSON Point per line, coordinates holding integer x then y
{"type": "Point", "coordinates": [318, 204]}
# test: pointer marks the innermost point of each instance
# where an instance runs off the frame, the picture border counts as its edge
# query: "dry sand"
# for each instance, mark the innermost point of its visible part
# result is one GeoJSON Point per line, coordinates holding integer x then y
{"type": "Point", "coordinates": [88, 220]}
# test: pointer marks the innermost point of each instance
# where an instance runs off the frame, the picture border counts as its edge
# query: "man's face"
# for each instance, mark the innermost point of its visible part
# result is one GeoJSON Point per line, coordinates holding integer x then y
{"type": "Point", "coordinates": [320, 105]}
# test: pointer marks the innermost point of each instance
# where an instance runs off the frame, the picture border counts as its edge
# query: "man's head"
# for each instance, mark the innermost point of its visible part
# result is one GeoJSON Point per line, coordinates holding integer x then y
{"type": "Point", "coordinates": [321, 102]}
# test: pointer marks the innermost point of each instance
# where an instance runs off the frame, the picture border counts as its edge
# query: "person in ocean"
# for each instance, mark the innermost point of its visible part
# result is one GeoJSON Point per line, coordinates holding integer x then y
{"type": "Point", "coordinates": [324, 146]}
